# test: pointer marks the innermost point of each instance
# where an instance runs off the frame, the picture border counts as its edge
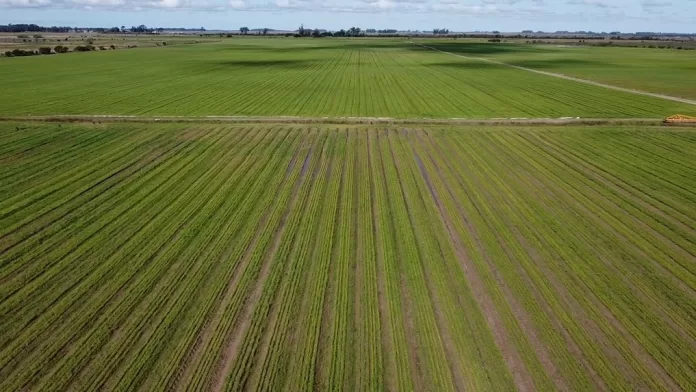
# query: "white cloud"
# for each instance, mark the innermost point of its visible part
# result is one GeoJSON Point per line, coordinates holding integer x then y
{"type": "Point", "coordinates": [25, 3]}
{"type": "Point", "coordinates": [592, 3]}
{"type": "Point", "coordinates": [98, 3]}
{"type": "Point", "coordinates": [108, 4]}
{"type": "Point", "coordinates": [655, 4]}
{"type": "Point", "coordinates": [562, 12]}
{"type": "Point", "coordinates": [509, 2]}
{"type": "Point", "coordinates": [167, 3]}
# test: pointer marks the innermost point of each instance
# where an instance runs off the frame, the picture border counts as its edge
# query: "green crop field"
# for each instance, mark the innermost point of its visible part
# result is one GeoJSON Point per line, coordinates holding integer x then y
{"type": "Point", "coordinates": [665, 71]}
{"type": "Point", "coordinates": [309, 78]}
{"type": "Point", "coordinates": [216, 257]}
{"type": "Point", "coordinates": [282, 214]}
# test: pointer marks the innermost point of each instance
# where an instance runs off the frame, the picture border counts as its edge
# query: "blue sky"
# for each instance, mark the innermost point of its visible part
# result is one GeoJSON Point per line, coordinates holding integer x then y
{"type": "Point", "coordinates": [457, 15]}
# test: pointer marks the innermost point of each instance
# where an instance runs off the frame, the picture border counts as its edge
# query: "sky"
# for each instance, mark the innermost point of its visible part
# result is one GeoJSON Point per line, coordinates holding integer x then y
{"type": "Point", "coordinates": [456, 15]}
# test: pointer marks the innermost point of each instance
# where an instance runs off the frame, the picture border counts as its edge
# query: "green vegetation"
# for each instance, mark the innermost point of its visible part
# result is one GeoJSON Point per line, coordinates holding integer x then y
{"type": "Point", "coordinates": [248, 254]}
{"type": "Point", "coordinates": [192, 256]}
{"type": "Point", "coordinates": [305, 77]}
{"type": "Point", "coordinates": [671, 72]}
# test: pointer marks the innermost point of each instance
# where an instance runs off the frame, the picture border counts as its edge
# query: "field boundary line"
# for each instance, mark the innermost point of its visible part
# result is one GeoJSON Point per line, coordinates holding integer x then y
{"type": "Point", "coordinates": [98, 119]}
{"type": "Point", "coordinates": [572, 78]}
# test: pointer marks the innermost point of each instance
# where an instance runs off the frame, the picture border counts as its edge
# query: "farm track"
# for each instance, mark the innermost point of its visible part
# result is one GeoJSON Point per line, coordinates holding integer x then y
{"type": "Point", "coordinates": [290, 120]}
{"type": "Point", "coordinates": [571, 78]}
{"type": "Point", "coordinates": [248, 255]}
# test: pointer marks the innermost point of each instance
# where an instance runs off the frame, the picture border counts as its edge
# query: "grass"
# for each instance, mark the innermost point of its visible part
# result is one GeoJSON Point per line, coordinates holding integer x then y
{"type": "Point", "coordinates": [332, 77]}
{"type": "Point", "coordinates": [209, 256]}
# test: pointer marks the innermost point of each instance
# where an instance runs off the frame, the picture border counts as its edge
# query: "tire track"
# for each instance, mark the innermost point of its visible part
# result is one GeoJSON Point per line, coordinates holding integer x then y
{"type": "Point", "coordinates": [638, 350]}
{"type": "Point", "coordinates": [326, 327]}
{"type": "Point", "coordinates": [515, 364]}
{"type": "Point", "coordinates": [231, 351]}
{"type": "Point", "coordinates": [206, 333]}
{"type": "Point", "coordinates": [519, 311]}
{"type": "Point", "coordinates": [286, 290]}
{"type": "Point", "coordinates": [415, 359]}
{"type": "Point", "coordinates": [448, 342]}
{"type": "Point", "coordinates": [387, 346]}
{"type": "Point", "coordinates": [300, 365]}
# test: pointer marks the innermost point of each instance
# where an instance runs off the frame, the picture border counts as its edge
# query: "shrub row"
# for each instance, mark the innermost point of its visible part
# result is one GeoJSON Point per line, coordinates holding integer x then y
{"type": "Point", "coordinates": [58, 49]}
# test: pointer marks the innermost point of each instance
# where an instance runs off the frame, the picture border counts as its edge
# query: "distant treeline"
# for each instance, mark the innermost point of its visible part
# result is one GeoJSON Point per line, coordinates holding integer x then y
{"type": "Point", "coordinates": [351, 32]}
{"type": "Point", "coordinates": [21, 28]}
{"type": "Point", "coordinates": [494, 36]}
{"type": "Point", "coordinates": [142, 29]}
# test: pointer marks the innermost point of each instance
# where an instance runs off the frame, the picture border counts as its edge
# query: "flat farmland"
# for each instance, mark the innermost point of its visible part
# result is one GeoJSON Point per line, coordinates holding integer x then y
{"type": "Point", "coordinates": [10, 41]}
{"type": "Point", "coordinates": [309, 78]}
{"type": "Point", "coordinates": [228, 257]}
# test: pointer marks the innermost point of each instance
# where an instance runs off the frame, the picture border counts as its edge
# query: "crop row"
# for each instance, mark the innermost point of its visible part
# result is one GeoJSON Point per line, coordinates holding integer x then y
{"type": "Point", "coordinates": [179, 257]}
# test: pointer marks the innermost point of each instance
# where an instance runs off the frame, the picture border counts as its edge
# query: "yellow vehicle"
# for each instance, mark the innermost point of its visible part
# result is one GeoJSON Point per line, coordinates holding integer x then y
{"type": "Point", "coordinates": [680, 119]}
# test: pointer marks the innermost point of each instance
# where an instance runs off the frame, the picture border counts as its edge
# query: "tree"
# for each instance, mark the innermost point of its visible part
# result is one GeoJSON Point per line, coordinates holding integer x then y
{"type": "Point", "coordinates": [20, 28]}
{"type": "Point", "coordinates": [140, 29]}
{"type": "Point", "coordinates": [265, 31]}
{"type": "Point", "coordinates": [45, 50]}
{"type": "Point", "coordinates": [86, 48]}
{"type": "Point", "coordinates": [244, 30]}
{"type": "Point", "coordinates": [302, 32]}
{"type": "Point", "coordinates": [354, 31]}
{"type": "Point", "coordinates": [21, 52]}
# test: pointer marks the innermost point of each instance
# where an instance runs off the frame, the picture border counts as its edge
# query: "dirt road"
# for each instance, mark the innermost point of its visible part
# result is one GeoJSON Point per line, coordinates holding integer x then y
{"type": "Point", "coordinates": [561, 76]}
{"type": "Point", "coordinates": [98, 119]}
